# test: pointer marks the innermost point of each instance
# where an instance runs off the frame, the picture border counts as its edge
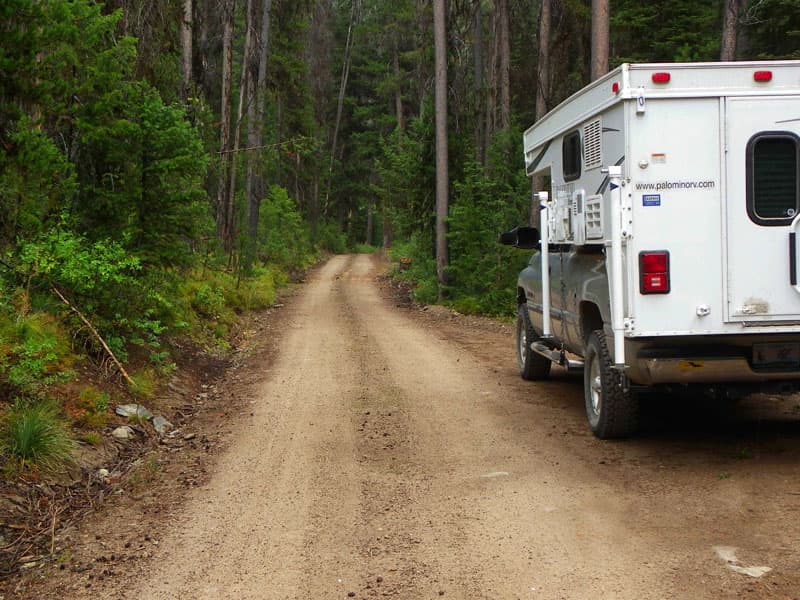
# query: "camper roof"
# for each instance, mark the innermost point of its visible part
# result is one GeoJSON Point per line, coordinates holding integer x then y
{"type": "Point", "coordinates": [663, 80]}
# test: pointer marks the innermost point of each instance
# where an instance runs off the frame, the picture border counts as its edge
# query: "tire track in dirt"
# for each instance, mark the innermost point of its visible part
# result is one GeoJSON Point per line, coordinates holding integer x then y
{"type": "Point", "coordinates": [247, 534]}
{"type": "Point", "coordinates": [515, 521]}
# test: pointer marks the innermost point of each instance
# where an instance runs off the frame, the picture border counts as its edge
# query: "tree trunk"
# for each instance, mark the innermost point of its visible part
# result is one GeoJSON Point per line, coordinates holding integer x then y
{"type": "Point", "coordinates": [401, 126]}
{"type": "Point", "coordinates": [203, 18]}
{"type": "Point", "coordinates": [246, 92]}
{"type": "Point", "coordinates": [421, 16]}
{"type": "Point", "coordinates": [387, 233]}
{"type": "Point", "coordinates": [186, 47]}
{"type": "Point", "coordinates": [320, 49]}
{"type": "Point", "coordinates": [255, 136]}
{"type": "Point", "coordinates": [504, 62]}
{"type": "Point", "coordinates": [398, 91]}
{"type": "Point", "coordinates": [223, 217]}
{"type": "Point", "coordinates": [543, 61]}
{"type": "Point", "coordinates": [600, 16]}
{"type": "Point", "coordinates": [542, 94]}
{"type": "Point", "coordinates": [440, 43]}
{"type": "Point", "coordinates": [369, 233]}
{"type": "Point", "coordinates": [480, 92]}
{"type": "Point", "coordinates": [348, 50]}
{"type": "Point", "coordinates": [491, 77]}
{"type": "Point", "coordinates": [730, 22]}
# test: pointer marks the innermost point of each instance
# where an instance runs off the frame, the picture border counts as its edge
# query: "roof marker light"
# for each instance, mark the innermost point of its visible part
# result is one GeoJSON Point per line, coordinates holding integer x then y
{"type": "Point", "coordinates": [661, 77]}
{"type": "Point", "coordinates": [762, 76]}
{"type": "Point", "coordinates": [615, 87]}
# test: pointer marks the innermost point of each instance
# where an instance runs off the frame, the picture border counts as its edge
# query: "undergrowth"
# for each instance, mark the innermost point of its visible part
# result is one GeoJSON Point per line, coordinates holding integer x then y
{"type": "Point", "coordinates": [74, 307]}
{"type": "Point", "coordinates": [34, 433]}
{"type": "Point", "coordinates": [42, 342]}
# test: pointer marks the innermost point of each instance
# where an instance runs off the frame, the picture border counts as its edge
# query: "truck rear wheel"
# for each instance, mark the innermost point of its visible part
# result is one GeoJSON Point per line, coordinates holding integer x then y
{"type": "Point", "coordinates": [532, 366]}
{"type": "Point", "coordinates": [612, 410]}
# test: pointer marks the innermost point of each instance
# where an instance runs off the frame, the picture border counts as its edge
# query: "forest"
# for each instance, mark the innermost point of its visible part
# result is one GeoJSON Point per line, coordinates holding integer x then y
{"type": "Point", "coordinates": [167, 165]}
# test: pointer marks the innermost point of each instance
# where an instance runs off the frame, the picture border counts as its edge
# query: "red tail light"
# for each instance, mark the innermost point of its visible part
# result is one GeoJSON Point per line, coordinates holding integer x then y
{"type": "Point", "coordinates": [654, 272]}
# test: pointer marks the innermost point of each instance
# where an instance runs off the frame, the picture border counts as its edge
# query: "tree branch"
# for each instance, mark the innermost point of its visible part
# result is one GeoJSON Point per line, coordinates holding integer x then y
{"type": "Point", "coordinates": [96, 335]}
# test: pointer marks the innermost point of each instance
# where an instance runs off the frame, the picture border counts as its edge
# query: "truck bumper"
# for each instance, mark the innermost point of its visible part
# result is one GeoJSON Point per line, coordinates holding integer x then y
{"type": "Point", "coordinates": [716, 360]}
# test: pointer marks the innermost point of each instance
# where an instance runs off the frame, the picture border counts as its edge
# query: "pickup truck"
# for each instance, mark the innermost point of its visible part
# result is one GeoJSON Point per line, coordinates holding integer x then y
{"type": "Point", "coordinates": [667, 257]}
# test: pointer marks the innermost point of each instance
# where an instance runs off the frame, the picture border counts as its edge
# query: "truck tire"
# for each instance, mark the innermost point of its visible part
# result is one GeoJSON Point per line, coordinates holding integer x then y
{"type": "Point", "coordinates": [613, 411]}
{"type": "Point", "coordinates": [532, 366]}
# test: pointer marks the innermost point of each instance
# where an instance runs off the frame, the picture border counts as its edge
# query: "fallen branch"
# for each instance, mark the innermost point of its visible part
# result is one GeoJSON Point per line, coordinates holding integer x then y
{"type": "Point", "coordinates": [12, 544]}
{"type": "Point", "coordinates": [56, 510]}
{"type": "Point", "coordinates": [97, 336]}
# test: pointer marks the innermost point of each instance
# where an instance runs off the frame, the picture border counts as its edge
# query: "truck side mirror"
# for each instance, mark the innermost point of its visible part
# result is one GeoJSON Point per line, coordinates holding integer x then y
{"type": "Point", "coordinates": [526, 238]}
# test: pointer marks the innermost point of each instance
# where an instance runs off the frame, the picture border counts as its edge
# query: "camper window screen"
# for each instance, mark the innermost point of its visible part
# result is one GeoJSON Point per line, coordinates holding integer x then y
{"type": "Point", "coordinates": [772, 173]}
{"type": "Point", "coordinates": [571, 156]}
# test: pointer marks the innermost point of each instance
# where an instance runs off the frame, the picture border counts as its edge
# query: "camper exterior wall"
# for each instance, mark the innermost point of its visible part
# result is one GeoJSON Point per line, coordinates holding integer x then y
{"type": "Point", "coordinates": [674, 185]}
{"type": "Point", "coordinates": [576, 266]}
{"type": "Point", "coordinates": [590, 101]}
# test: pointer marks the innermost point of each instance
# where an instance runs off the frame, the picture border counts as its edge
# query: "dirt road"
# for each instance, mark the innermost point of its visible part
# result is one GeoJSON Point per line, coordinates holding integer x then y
{"type": "Point", "coordinates": [391, 456]}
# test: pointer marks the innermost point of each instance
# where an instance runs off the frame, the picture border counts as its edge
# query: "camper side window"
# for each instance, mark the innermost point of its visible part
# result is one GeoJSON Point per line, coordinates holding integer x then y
{"type": "Point", "coordinates": [773, 178]}
{"type": "Point", "coordinates": [571, 156]}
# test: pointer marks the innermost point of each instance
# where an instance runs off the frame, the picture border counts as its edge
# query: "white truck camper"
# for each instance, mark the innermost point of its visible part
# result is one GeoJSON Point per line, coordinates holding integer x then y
{"type": "Point", "coordinates": [668, 256]}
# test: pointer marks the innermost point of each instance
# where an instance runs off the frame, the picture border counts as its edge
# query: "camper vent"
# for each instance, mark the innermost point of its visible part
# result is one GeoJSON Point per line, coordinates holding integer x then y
{"type": "Point", "coordinates": [592, 145]}
{"type": "Point", "coordinates": [593, 217]}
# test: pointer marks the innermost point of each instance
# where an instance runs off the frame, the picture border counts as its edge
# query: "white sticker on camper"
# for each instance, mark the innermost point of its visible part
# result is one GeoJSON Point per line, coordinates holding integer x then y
{"type": "Point", "coordinates": [658, 186]}
{"type": "Point", "coordinates": [651, 200]}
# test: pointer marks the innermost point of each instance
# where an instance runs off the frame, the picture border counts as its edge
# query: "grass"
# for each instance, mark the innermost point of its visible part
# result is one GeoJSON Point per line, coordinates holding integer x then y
{"type": "Point", "coordinates": [144, 474]}
{"type": "Point", "coordinates": [35, 434]}
{"type": "Point", "coordinates": [209, 301]}
{"type": "Point", "coordinates": [364, 249]}
{"type": "Point", "coordinates": [91, 407]}
{"type": "Point", "coordinates": [92, 438]}
{"type": "Point", "coordinates": [145, 383]}
{"type": "Point", "coordinates": [254, 292]}
{"type": "Point", "coordinates": [35, 351]}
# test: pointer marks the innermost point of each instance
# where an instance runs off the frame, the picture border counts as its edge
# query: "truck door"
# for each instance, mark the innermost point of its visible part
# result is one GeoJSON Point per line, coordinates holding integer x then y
{"type": "Point", "coordinates": [762, 209]}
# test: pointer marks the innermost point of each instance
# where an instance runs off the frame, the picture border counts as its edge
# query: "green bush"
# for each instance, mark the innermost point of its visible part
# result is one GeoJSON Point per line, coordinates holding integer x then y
{"type": "Point", "coordinates": [330, 238]}
{"type": "Point", "coordinates": [201, 304]}
{"type": "Point", "coordinates": [34, 179]}
{"type": "Point", "coordinates": [364, 249]}
{"type": "Point", "coordinates": [482, 273]}
{"type": "Point", "coordinates": [35, 434]}
{"type": "Point", "coordinates": [34, 352]}
{"type": "Point", "coordinates": [93, 406]}
{"type": "Point", "coordinates": [99, 278]}
{"type": "Point", "coordinates": [126, 303]}
{"type": "Point", "coordinates": [415, 265]}
{"type": "Point", "coordinates": [283, 235]}
{"type": "Point", "coordinates": [256, 291]}
{"type": "Point", "coordinates": [145, 383]}
{"type": "Point", "coordinates": [207, 301]}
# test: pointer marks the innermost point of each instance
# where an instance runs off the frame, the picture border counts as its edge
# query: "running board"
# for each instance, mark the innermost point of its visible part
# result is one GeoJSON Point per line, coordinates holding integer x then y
{"type": "Point", "coordinates": [558, 357]}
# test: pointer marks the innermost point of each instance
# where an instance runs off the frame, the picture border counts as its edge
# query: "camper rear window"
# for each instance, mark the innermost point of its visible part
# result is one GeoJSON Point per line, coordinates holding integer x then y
{"type": "Point", "coordinates": [773, 172]}
{"type": "Point", "coordinates": [571, 156]}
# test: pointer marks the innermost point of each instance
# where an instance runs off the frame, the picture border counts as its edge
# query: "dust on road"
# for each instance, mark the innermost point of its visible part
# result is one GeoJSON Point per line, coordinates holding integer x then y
{"type": "Point", "coordinates": [388, 456]}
